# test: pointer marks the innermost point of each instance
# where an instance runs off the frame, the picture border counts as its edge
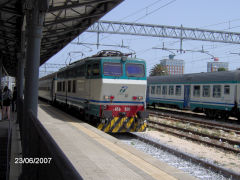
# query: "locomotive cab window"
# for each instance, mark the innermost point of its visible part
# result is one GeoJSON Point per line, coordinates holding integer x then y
{"type": "Point", "coordinates": [96, 69]}
{"type": "Point", "coordinates": [196, 91]}
{"type": "Point", "coordinates": [206, 91]}
{"type": "Point", "coordinates": [217, 91]}
{"type": "Point", "coordinates": [135, 70]}
{"type": "Point", "coordinates": [112, 69]}
{"type": "Point", "coordinates": [226, 89]}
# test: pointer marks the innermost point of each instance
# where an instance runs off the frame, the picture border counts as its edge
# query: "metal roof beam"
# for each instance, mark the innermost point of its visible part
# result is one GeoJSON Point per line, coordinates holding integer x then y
{"type": "Point", "coordinates": [63, 20]}
{"type": "Point", "coordinates": [11, 11]}
{"type": "Point", "coordinates": [75, 5]}
{"type": "Point", "coordinates": [114, 27]}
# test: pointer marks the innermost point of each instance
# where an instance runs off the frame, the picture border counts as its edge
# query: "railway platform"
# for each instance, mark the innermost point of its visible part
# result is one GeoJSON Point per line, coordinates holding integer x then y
{"type": "Point", "coordinates": [97, 155]}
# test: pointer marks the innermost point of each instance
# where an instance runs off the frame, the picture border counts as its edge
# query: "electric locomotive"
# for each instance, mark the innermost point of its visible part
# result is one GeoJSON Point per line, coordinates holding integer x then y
{"type": "Point", "coordinates": [108, 89]}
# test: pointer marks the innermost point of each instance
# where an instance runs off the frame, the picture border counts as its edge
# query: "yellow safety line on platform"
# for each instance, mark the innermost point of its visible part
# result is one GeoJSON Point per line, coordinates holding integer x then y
{"type": "Point", "coordinates": [133, 159]}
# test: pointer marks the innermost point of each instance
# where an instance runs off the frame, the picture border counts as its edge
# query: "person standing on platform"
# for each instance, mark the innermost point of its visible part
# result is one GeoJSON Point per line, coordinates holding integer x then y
{"type": "Point", "coordinates": [14, 99]}
{"type": "Point", "coordinates": [7, 96]}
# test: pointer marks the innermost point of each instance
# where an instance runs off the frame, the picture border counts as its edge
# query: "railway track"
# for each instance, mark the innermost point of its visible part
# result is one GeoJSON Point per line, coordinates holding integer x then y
{"type": "Point", "coordinates": [199, 168]}
{"type": "Point", "coordinates": [196, 131]}
{"type": "Point", "coordinates": [197, 118]}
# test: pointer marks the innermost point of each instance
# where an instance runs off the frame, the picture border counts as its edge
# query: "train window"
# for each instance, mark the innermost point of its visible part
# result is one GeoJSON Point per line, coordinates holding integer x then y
{"type": "Point", "coordinates": [69, 86]}
{"type": "Point", "coordinates": [196, 91]}
{"type": "Point", "coordinates": [112, 69]}
{"type": "Point", "coordinates": [217, 91]}
{"type": "Point", "coordinates": [96, 69]}
{"type": "Point", "coordinates": [152, 89]}
{"type": "Point", "coordinates": [70, 73]}
{"type": "Point", "coordinates": [60, 86]}
{"type": "Point", "coordinates": [89, 70]}
{"type": "Point", "coordinates": [206, 91]}
{"type": "Point", "coordinates": [164, 90]}
{"type": "Point", "coordinates": [158, 89]}
{"type": "Point", "coordinates": [135, 70]}
{"type": "Point", "coordinates": [74, 86]}
{"type": "Point", "coordinates": [178, 91]}
{"type": "Point", "coordinates": [74, 72]}
{"type": "Point", "coordinates": [226, 89]}
{"type": "Point", "coordinates": [63, 86]}
{"type": "Point", "coordinates": [171, 90]}
{"type": "Point", "coordinates": [80, 71]}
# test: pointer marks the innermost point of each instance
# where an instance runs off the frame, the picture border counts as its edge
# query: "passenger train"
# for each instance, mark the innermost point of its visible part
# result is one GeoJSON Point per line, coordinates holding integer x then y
{"type": "Point", "coordinates": [217, 94]}
{"type": "Point", "coordinates": [109, 89]}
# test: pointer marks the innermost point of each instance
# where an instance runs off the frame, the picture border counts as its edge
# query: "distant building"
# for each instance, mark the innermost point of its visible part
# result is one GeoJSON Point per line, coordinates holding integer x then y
{"type": "Point", "coordinates": [174, 66]}
{"type": "Point", "coordinates": [213, 66]}
{"type": "Point", "coordinates": [8, 81]}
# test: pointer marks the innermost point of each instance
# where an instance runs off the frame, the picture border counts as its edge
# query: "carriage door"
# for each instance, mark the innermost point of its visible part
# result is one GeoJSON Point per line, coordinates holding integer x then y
{"type": "Point", "coordinates": [187, 90]}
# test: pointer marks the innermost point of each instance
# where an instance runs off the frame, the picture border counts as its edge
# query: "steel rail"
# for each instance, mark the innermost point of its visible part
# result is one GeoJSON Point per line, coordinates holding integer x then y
{"type": "Point", "coordinates": [208, 165]}
{"type": "Point", "coordinates": [203, 123]}
{"type": "Point", "coordinates": [195, 137]}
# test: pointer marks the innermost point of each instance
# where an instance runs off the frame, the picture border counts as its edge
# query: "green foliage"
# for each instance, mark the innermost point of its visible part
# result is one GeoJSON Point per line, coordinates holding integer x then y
{"type": "Point", "coordinates": [158, 70]}
{"type": "Point", "coordinates": [222, 69]}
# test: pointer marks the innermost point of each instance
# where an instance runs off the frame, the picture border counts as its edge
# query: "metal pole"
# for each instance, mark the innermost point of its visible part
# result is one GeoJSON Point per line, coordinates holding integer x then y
{"type": "Point", "coordinates": [33, 60]}
{"type": "Point", "coordinates": [1, 59]}
{"type": "Point", "coordinates": [35, 23]}
{"type": "Point", "coordinates": [20, 74]}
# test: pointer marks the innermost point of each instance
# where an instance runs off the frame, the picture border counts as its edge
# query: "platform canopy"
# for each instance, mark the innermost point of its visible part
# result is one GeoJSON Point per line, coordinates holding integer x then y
{"type": "Point", "coordinates": [64, 21]}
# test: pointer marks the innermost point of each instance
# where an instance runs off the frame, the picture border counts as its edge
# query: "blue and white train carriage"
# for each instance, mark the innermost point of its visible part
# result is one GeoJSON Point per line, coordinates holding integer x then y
{"type": "Point", "coordinates": [108, 88]}
{"type": "Point", "coordinates": [216, 93]}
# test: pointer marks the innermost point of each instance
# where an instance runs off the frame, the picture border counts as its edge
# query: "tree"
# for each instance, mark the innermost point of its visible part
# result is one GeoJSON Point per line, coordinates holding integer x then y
{"type": "Point", "coordinates": [158, 70]}
{"type": "Point", "coordinates": [222, 69]}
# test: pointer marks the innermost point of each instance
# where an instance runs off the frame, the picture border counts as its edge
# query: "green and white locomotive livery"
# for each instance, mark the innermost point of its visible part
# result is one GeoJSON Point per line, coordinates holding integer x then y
{"type": "Point", "coordinates": [108, 88]}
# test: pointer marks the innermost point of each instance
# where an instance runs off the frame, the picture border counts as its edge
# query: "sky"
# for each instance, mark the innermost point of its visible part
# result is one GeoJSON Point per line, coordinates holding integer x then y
{"type": "Point", "coordinates": [206, 14]}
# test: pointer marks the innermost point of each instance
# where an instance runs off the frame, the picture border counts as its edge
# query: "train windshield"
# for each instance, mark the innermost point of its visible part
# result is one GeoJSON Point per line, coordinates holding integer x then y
{"type": "Point", "coordinates": [112, 69]}
{"type": "Point", "coordinates": [135, 70]}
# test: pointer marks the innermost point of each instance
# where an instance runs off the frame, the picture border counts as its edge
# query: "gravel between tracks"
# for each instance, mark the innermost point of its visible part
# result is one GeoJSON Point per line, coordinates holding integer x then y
{"type": "Point", "coordinates": [217, 156]}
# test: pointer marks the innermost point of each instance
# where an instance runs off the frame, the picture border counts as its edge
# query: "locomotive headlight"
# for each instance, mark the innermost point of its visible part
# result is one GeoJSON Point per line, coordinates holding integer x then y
{"type": "Point", "coordinates": [140, 97]}
{"type": "Point", "coordinates": [112, 97]}
{"type": "Point", "coordinates": [137, 98]}
{"type": "Point", "coordinates": [134, 97]}
{"type": "Point", "coordinates": [106, 97]}
{"type": "Point", "coordinates": [109, 97]}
